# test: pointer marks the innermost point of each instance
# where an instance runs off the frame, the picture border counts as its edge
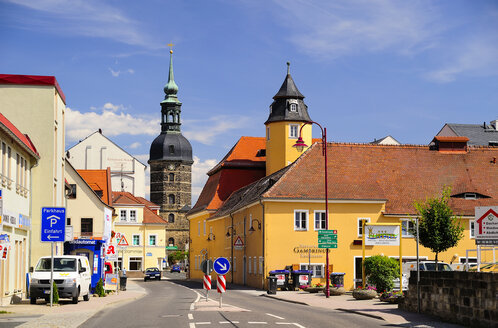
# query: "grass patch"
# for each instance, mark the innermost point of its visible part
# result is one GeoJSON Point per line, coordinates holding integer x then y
{"type": "Point", "coordinates": [4, 312]}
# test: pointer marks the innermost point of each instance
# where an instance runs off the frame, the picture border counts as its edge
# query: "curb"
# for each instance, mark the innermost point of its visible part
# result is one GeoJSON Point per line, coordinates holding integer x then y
{"type": "Point", "coordinates": [362, 313]}
{"type": "Point", "coordinates": [283, 300]}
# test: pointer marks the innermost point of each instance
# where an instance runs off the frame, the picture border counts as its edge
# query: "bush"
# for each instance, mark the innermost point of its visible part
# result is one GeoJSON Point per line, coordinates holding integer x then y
{"type": "Point", "coordinates": [99, 289]}
{"type": "Point", "coordinates": [55, 298]}
{"type": "Point", "coordinates": [380, 271]}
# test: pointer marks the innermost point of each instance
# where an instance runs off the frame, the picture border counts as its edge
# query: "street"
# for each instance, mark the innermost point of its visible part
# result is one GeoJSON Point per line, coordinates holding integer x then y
{"type": "Point", "coordinates": [169, 303]}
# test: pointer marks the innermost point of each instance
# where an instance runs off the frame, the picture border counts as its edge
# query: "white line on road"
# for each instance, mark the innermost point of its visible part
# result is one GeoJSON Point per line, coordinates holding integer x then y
{"type": "Point", "coordinates": [284, 323]}
{"type": "Point", "coordinates": [229, 322]}
{"type": "Point", "coordinates": [275, 316]}
{"type": "Point", "coordinates": [298, 325]}
{"type": "Point", "coordinates": [196, 300]}
{"type": "Point", "coordinates": [190, 316]}
{"type": "Point", "coordinates": [203, 323]}
{"type": "Point", "coordinates": [258, 322]}
{"type": "Point", "coordinates": [192, 325]}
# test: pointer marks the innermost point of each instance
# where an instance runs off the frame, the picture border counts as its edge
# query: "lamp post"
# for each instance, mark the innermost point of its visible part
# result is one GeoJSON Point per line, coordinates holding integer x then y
{"type": "Point", "coordinates": [300, 145]}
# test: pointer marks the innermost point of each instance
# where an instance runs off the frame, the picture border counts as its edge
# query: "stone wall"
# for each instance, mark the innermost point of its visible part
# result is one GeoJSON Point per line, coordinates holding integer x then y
{"type": "Point", "coordinates": [468, 298]}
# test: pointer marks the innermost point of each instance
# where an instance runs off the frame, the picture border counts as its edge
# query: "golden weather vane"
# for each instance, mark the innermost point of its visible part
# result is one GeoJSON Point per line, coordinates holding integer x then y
{"type": "Point", "coordinates": [170, 45]}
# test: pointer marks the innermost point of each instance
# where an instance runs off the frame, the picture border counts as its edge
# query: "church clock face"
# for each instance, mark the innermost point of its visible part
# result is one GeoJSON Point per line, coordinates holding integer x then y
{"type": "Point", "coordinates": [171, 166]}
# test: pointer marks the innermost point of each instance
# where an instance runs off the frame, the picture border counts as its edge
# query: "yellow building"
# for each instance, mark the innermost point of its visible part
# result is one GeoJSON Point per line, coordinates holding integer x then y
{"type": "Point", "coordinates": [36, 105]}
{"type": "Point", "coordinates": [272, 222]}
{"type": "Point", "coordinates": [144, 232]}
{"type": "Point", "coordinates": [17, 156]}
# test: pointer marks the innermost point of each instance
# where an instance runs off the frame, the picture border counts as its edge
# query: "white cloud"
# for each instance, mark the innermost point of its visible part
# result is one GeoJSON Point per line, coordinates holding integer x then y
{"type": "Point", "coordinates": [79, 125]}
{"type": "Point", "coordinates": [199, 176]}
{"type": "Point", "coordinates": [217, 125]}
{"type": "Point", "coordinates": [91, 18]}
{"type": "Point", "coordinates": [142, 158]}
{"type": "Point", "coordinates": [336, 28]}
{"type": "Point", "coordinates": [111, 107]}
{"type": "Point", "coordinates": [119, 72]}
{"type": "Point", "coordinates": [134, 145]}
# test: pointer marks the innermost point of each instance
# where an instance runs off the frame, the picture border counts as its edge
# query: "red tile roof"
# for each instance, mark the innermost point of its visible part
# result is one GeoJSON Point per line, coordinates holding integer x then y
{"type": "Point", "coordinates": [32, 80]}
{"type": "Point", "coordinates": [99, 180]}
{"type": "Point", "coordinates": [23, 139]}
{"type": "Point", "coordinates": [398, 174]}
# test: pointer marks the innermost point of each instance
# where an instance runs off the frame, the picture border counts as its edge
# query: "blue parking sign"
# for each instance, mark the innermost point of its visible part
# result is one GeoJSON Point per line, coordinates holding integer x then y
{"type": "Point", "coordinates": [53, 227]}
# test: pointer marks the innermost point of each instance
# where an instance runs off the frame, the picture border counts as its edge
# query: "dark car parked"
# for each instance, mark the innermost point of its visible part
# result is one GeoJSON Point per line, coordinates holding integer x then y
{"type": "Point", "coordinates": [152, 273]}
{"type": "Point", "coordinates": [175, 268]}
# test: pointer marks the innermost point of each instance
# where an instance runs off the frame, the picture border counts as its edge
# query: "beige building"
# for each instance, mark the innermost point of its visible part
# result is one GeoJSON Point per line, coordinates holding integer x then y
{"type": "Point", "coordinates": [18, 156]}
{"type": "Point", "coordinates": [142, 233]}
{"type": "Point", "coordinates": [97, 152]}
{"type": "Point", "coordinates": [36, 105]}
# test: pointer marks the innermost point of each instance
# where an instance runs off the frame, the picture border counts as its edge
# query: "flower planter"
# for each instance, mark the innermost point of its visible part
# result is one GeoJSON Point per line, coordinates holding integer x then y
{"type": "Point", "coordinates": [313, 289]}
{"type": "Point", "coordinates": [392, 300]}
{"type": "Point", "coordinates": [336, 291]}
{"type": "Point", "coordinates": [364, 294]}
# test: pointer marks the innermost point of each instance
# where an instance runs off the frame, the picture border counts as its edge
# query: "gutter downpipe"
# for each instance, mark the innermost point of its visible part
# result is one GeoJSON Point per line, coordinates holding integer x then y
{"type": "Point", "coordinates": [231, 248]}
{"type": "Point", "coordinates": [263, 240]}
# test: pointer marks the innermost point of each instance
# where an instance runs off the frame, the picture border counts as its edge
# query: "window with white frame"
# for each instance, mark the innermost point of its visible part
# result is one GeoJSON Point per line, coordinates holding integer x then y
{"type": "Point", "coordinates": [135, 264]}
{"type": "Point", "coordinates": [249, 262]}
{"type": "Point", "coordinates": [407, 227]}
{"type": "Point", "coordinates": [317, 269]}
{"type": "Point", "coordinates": [122, 215]}
{"type": "Point", "coordinates": [472, 228]}
{"type": "Point", "coordinates": [320, 220]}
{"type": "Point", "coordinates": [255, 267]}
{"type": "Point", "coordinates": [293, 130]}
{"type": "Point", "coordinates": [135, 240]}
{"type": "Point", "coordinates": [360, 227]}
{"type": "Point", "coordinates": [133, 216]}
{"type": "Point", "coordinates": [301, 220]}
{"type": "Point", "coordinates": [152, 240]}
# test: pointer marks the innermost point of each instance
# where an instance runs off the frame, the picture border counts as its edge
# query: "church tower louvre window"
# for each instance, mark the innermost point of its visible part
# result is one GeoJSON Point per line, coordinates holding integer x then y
{"type": "Point", "coordinates": [170, 160]}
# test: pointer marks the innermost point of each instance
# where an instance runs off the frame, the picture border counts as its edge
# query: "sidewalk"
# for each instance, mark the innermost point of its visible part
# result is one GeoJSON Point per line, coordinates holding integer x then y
{"type": "Point", "coordinates": [66, 315]}
{"type": "Point", "coordinates": [372, 308]}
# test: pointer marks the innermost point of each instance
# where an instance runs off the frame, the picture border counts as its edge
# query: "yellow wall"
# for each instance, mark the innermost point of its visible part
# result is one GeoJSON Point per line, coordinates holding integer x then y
{"type": "Point", "coordinates": [279, 147]}
{"type": "Point", "coordinates": [284, 246]}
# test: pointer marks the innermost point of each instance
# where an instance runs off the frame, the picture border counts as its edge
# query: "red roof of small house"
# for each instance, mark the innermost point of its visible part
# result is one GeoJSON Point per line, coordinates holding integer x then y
{"type": "Point", "coordinates": [127, 198]}
{"type": "Point", "coordinates": [32, 80]}
{"type": "Point", "coordinates": [22, 139]}
{"type": "Point", "coordinates": [99, 180]}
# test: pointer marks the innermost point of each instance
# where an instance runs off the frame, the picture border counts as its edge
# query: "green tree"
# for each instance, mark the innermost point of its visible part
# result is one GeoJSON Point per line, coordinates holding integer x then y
{"type": "Point", "coordinates": [55, 298]}
{"type": "Point", "coordinates": [177, 256]}
{"type": "Point", "coordinates": [438, 227]}
{"type": "Point", "coordinates": [99, 288]}
{"type": "Point", "coordinates": [380, 271]}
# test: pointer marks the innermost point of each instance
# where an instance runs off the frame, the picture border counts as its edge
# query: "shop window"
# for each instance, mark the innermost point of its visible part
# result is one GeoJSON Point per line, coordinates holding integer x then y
{"type": "Point", "coordinates": [135, 264]}
{"type": "Point", "coordinates": [300, 220]}
{"type": "Point", "coordinates": [320, 220]}
{"type": "Point", "coordinates": [407, 228]}
{"type": "Point", "coordinates": [317, 269]}
{"type": "Point", "coordinates": [133, 216]}
{"type": "Point", "coordinates": [360, 227]}
{"type": "Point", "coordinates": [86, 226]}
{"type": "Point", "coordinates": [135, 240]}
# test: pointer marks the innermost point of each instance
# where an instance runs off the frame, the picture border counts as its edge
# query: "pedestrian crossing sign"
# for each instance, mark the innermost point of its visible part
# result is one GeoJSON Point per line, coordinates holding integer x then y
{"type": "Point", "coordinates": [123, 241]}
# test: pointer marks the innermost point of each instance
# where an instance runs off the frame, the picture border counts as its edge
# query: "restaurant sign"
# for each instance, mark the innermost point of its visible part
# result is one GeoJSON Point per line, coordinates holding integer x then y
{"type": "Point", "coordinates": [382, 235]}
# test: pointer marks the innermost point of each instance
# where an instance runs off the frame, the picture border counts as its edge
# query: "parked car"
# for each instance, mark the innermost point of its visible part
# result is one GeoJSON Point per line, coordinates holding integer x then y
{"type": "Point", "coordinates": [425, 266]}
{"type": "Point", "coordinates": [485, 267]}
{"type": "Point", "coordinates": [72, 275]}
{"type": "Point", "coordinates": [152, 273]}
{"type": "Point", "coordinates": [175, 268]}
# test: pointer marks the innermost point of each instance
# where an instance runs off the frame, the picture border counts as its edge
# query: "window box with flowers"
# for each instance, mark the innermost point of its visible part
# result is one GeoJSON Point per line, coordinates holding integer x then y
{"type": "Point", "coordinates": [366, 293]}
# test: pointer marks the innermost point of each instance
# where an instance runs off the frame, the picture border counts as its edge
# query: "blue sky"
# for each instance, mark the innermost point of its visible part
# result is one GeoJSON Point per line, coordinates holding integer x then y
{"type": "Point", "coordinates": [367, 68]}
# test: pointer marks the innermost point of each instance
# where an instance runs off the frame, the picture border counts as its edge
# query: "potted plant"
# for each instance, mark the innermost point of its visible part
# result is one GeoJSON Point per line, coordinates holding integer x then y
{"type": "Point", "coordinates": [336, 289]}
{"type": "Point", "coordinates": [366, 293]}
{"type": "Point", "coordinates": [391, 297]}
{"type": "Point", "coordinates": [312, 288]}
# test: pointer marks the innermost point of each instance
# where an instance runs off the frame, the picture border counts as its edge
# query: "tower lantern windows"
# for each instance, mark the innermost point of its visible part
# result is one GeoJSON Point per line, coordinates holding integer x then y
{"type": "Point", "coordinates": [171, 149]}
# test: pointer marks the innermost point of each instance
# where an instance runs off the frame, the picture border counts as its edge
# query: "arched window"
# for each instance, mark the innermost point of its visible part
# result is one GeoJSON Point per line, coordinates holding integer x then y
{"type": "Point", "coordinates": [171, 199]}
{"type": "Point", "coordinates": [293, 107]}
{"type": "Point", "coordinates": [171, 149]}
{"type": "Point", "coordinates": [171, 242]}
{"type": "Point", "coordinates": [171, 177]}
{"type": "Point", "coordinates": [171, 117]}
{"type": "Point", "coordinates": [171, 218]}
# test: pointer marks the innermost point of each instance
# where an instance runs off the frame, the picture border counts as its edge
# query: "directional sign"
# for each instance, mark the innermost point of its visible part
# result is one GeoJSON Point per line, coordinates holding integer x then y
{"type": "Point", "coordinates": [221, 265]}
{"type": "Point", "coordinates": [53, 225]}
{"type": "Point", "coordinates": [327, 238]}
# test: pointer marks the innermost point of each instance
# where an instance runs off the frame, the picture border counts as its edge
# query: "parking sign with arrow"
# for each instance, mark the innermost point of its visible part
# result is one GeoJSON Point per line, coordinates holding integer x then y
{"type": "Point", "coordinates": [53, 225]}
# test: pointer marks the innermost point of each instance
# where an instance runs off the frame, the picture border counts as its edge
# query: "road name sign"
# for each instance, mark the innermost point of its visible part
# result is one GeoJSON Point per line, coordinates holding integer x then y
{"type": "Point", "coordinates": [221, 265]}
{"type": "Point", "coordinates": [53, 225]}
{"type": "Point", "coordinates": [486, 229]}
{"type": "Point", "coordinates": [327, 238]}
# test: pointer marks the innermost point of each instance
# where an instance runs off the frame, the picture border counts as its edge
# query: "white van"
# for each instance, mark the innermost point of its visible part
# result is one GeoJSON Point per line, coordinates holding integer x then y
{"type": "Point", "coordinates": [425, 266]}
{"type": "Point", "coordinates": [72, 276]}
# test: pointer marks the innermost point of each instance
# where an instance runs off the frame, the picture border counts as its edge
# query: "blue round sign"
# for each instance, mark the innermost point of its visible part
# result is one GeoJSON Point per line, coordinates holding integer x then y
{"type": "Point", "coordinates": [221, 265]}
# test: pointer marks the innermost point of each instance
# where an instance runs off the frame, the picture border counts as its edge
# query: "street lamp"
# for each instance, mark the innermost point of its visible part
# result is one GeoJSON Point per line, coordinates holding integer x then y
{"type": "Point", "coordinates": [300, 145]}
{"type": "Point", "coordinates": [251, 229]}
{"type": "Point", "coordinates": [228, 231]}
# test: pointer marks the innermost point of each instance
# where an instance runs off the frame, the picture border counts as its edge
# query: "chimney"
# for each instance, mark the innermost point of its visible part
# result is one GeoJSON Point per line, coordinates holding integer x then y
{"type": "Point", "coordinates": [494, 124]}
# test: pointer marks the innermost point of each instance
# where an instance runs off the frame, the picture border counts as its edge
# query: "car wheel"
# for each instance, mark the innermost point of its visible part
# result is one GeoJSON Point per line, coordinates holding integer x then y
{"type": "Point", "coordinates": [32, 300]}
{"type": "Point", "coordinates": [86, 297]}
{"type": "Point", "coordinates": [158, 278]}
{"type": "Point", "coordinates": [75, 298]}
{"type": "Point", "coordinates": [145, 279]}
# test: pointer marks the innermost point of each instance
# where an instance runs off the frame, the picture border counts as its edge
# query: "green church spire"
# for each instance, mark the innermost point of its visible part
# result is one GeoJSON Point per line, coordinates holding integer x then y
{"type": "Point", "coordinates": [171, 89]}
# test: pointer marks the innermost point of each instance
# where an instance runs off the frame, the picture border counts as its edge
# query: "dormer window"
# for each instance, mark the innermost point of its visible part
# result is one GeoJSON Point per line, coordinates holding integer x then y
{"type": "Point", "coordinates": [293, 107]}
{"type": "Point", "coordinates": [470, 195]}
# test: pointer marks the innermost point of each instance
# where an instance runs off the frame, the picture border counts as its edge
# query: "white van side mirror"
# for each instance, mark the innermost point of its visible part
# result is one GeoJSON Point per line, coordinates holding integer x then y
{"type": "Point", "coordinates": [82, 270]}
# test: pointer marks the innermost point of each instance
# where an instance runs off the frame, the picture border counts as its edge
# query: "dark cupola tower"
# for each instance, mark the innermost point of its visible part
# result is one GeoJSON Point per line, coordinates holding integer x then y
{"type": "Point", "coordinates": [170, 161]}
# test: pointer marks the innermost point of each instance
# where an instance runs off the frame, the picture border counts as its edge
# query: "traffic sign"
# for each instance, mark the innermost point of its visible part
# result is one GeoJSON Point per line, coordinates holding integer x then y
{"type": "Point", "coordinates": [123, 241]}
{"type": "Point", "coordinates": [53, 225]}
{"type": "Point", "coordinates": [207, 266]}
{"type": "Point", "coordinates": [238, 243]}
{"type": "Point", "coordinates": [486, 231]}
{"type": "Point", "coordinates": [327, 238]}
{"type": "Point", "coordinates": [221, 265]}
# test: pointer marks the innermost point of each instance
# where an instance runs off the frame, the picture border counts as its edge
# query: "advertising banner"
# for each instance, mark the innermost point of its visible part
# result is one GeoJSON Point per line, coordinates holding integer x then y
{"type": "Point", "coordinates": [382, 235]}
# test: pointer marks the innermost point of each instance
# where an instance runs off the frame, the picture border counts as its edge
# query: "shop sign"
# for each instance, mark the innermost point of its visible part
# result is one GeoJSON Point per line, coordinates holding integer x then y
{"type": "Point", "coordinates": [111, 281]}
{"type": "Point", "coordinates": [486, 231]}
{"type": "Point", "coordinates": [307, 251]}
{"type": "Point", "coordinates": [382, 235]}
{"type": "Point", "coordinates": [148, 254]}
{"type": "Point", "coordinates": [24, 221]}
{"type": "Point", "coordinates": [111, 252]}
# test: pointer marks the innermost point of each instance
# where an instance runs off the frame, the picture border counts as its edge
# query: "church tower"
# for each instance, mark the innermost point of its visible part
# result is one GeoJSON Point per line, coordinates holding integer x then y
{"type": "Point", "coordinates": [170, 160]}
{"type": "Point", "coordinates": [287, 114]}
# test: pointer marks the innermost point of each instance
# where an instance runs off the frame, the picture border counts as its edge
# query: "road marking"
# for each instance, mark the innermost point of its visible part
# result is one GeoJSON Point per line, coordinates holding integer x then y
{"type": "Point", "coordinates": [257, 322]}
{"type": "Point", "coordinates": [192, 325]}
{"type": "Point", "coordinates": [203, 323]}
{"type": "Point", "coordinates": [196, 300]}
{"type": "Point", "coordinates": [284, 323]}
{"type": "Point", "coordinates": [298, 325]}
{"type": "Point", "coordinates": [229, 322]}
{"type": "Point", "coordinates": [190, 316]}
{"type": "Point", "coordinates": [275, 316]}
{"type": "Point", "coordinates": [170, 316]}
